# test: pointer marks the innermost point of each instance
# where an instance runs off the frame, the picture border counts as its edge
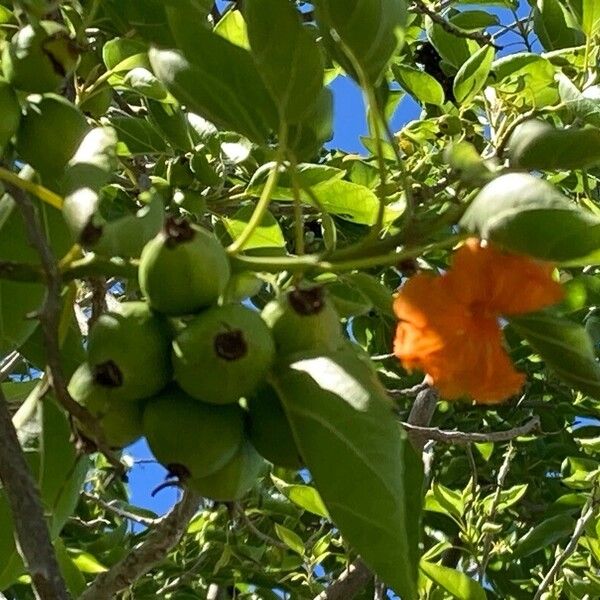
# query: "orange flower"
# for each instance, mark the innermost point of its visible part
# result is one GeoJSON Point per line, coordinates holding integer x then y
{"type": "Point", "coordinates": [449, 324]}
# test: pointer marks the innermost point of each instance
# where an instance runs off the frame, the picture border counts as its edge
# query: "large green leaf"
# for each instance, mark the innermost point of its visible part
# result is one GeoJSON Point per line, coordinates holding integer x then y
{"type": "Point", "coordinates": [287, 55]}
{"type": "Point", "coordinates": [215, 79]}
{"type": "Point", "coordinates": [62, 470]}
{"type": "Point", "coordinates": [555, 25]}
{"type": "Point", "coordinates": [460, 585]}
{"type": "Point", "coordinates": [590, 20]}
{"type": "Point", "coordinates": [565, 347]}
{"type": "Point", "coordinates": [528, 215]}
{"type": "Point", "coordinates": [536, 145]}
{"type": "Point", "coordinates": [527, 77]}
{"type": "Point", "coordinates": [544, 535]}
{"type": "Point", "coordinates": [473, 74]}
{"type": "Point", "coordinates": [419, 84]}
{"type": "Point", "coordinates": [267, 234]}
{"type": "Point", "coordinates": [363, 35]}
{"type": "Point", "coordinates": [346, 430]}
{"type": "Point", "coordinates": [453, 49]}
{"type": "Point", "coordinates": [18, 300]}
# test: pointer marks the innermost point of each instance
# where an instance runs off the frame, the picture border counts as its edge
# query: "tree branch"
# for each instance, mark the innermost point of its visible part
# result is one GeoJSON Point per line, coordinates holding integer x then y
{"type": "Point", "coordinates": [422, 8]}
{"type": "Point", "coordinates": [463, 438]}
{"type": "Point", "coordinates": [349, 583]}
{"type": "Point", "coordinates": [49, 317]}
{"type": "Point", "coordinates": [120, 512]}
{"type": "Point", "coordinates": [149, 553]}
{"type": "Point", "coordinates": [33, 537]}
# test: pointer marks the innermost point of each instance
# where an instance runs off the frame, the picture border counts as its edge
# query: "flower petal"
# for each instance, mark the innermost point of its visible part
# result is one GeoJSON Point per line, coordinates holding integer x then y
{"type": "Point", "coordinates": [499, 282]}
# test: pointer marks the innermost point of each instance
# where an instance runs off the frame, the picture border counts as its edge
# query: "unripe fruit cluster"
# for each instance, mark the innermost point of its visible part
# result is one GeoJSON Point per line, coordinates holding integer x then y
{"type": "Point", "coordinates": [190, 374]}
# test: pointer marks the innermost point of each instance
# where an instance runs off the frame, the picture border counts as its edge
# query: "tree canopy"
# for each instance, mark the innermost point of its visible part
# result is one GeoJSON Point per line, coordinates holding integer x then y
{"type": "Point", "coordinates": [369, 375]}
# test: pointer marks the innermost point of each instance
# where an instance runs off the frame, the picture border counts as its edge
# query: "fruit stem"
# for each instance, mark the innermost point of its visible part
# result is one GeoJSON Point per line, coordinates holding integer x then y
{"type": "Point", "coordinates": [37, 190]}
{"type": "Point", "coordinates": [265, 198]}
{"type": "Point", "coordinates": [311, 262]}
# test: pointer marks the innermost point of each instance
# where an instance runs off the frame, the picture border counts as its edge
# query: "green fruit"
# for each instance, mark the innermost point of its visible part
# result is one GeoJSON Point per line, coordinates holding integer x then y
{"type": "Point", "coordinates": [121, 422]}
{"type": "Point", "coordinates": [269, 430]}
{"type": "Point", "coordinates": [223, 354]}
{"type": "Point", "coordinates": [234, 480]}
{"type": "Point", "coordinates": [10, 109]}
{"type": "Point", "coordinates": [304, 320]}
{"type": "Point", "coordinates": [129, 349]}
{"type": "Point", "coordinates": [183, 269]}
{"type": "Point", "coordinates": [38, 58]}
{"type": "Point", "coordinates": [191, 438]}
{"type": "Point", "coordinates": [50, 133]}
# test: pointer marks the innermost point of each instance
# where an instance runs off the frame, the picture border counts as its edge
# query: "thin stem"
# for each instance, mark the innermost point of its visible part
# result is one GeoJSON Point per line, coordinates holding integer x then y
{"type": "Point", "coordinates": [487, 540]}
{"type": "Point", "coordinates": [39, 191]}
{"type": "Point", "coordinates": [298, 216]}
{"type": "Point", "coordinates": [265, 198]}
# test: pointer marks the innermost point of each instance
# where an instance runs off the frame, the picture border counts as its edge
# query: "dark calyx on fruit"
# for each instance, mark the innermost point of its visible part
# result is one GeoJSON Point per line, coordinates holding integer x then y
{"type": "Point", "coordinates": [231, 345]}
{"type": "Point", "coordinates": [310, 301]}
{"type": "Point", "coordinates": [108, 374]}
{"type": "Point", "coordinates": [180, 472]}
{"type": "Point", "coordinates": [178, 231]}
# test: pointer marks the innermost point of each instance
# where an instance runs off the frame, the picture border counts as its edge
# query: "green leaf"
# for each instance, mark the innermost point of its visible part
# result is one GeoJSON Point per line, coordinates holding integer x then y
{"type": "Point", "coordinates": [304, 496]}
{"type": "Point", "coordinates": [506, 499]}
{"type": "Point", "coordinates": [527, 78]}
{"type": "Point", "coordinates": [528, 215]}
{"type": "Point", "coordinates": [232, 27]}
{"type": "Point", "coordinates": [537, 145]}
{"type": "Point", "coordinates": [62, 471]}
{"type": "Point", "coordinates": [453, 49]}
{"type": "Point", "coordinates": [268, 234]}
{"type": "Point", "coordinates": [419, 84]}
{"type": "Point", "coordinates": [565, 347]}
{"type": "Point", "coordinates": [118, 50]}
{"type": "Point", "coordinates": [461, 586]}
{"type": "Point", "coordinates": [287, 55]}
{"type": "Point", "coordinates": [473, 74]}
{"type": "Point", "coordinates": [555, 26]}
{"type": "Point", "coordinates": [215, 79]}
{"type": "Point", "coordinates": [354, 447]}
{"type": "Point", "coordinates": [474, 20]}
{"type": "Point", "coordinates": [290, 538]}
{"type": "Point", "coordinates": [544, 535]}
{"type": "Point", "coordinates": [72, 575]}
{"type": "Point", "coordinates": [171, 121]}
{"type": "Point", "coordinates": [137, 136]}
{"type": "Point", "coordinates": [306, 139]}
{"type": "Point", "coordinates": [370, 33]}
{"type": "Point", "coordinates": [590, 20]}
{"type": "Point", "coordinates": [18, 300]}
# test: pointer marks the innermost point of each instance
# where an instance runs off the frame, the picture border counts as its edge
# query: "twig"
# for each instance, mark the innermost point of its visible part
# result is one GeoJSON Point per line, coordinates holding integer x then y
{"type": "Point", "coordinates": [98, 288]}
{"type": "Point", "coordinates": [587, 514]}
{"type": "Point", "coordinates": [149, 553]}
{"type": "Point", "coordinates": [487, 540]}
{"type": "Point", "coordinates": [421, 414]}
{"type": "Point", "coordinates": [408, 392]}
{"type": "Point", "coordinates": [23, 496]}
{"type": "Point", "coordinates": [463, 438]}
{"type": "Point", "coordinates": [49, 317]}
{"type": "Point", "coordinates": [239, 510]}
{"type": "Point", "coordinates": [120, 512]}
{"type": "Point", "coordinates": [349, 583]}
{"type": "Point", "coordinates": [448, 27]}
